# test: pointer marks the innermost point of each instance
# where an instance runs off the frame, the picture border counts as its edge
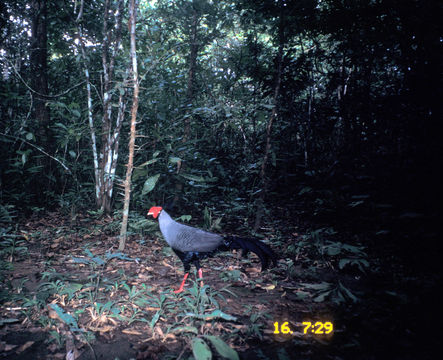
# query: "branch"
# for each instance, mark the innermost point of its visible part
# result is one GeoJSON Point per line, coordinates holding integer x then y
{"type": "Point", "coordinates": [36, 92]}
{"type": "Point", "coordinates": [39, 149]}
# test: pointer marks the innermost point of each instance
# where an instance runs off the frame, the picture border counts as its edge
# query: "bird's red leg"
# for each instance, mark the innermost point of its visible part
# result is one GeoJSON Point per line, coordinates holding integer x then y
{"type": "Point", "coordinates": [200, 276]}
{"type": "Point", "coordinates": [180, 289]}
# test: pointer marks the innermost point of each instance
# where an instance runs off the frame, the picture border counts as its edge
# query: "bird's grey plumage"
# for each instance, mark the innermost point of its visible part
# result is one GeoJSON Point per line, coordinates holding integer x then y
{"type": "Point", "coordinates": [186, 238]}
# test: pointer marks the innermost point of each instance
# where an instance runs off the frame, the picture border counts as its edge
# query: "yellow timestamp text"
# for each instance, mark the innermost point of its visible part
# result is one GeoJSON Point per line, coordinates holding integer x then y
{"type": "Point", "coordinates": [317, 328]}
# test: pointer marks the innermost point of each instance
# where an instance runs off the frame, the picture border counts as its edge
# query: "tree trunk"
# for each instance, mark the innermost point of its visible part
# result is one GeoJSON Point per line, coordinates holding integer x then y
{"type": "Point", "coordinates": [39, 68]}
{"type": "Point", "coordinates": [105, 160]}
{"type": "Point", "coordinates": [127, 184]}
{"type": "Point", "coordinates": [39, 83]}
{"type": "Point", "coordinates": [263, 177]}
{"type": "Point", "coordinates": [189, 100]}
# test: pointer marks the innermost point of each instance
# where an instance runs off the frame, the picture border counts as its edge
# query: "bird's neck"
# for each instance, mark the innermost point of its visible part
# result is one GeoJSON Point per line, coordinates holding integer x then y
{"type": "Point", "coordinates": [164, 217]}
{"type": "Point", "coordinates": [166, 226]}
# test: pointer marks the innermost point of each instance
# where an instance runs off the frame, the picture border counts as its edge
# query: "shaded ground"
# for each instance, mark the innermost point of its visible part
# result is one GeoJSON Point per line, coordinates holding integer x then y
{"type": "Point", "coordinates": [124, 308]}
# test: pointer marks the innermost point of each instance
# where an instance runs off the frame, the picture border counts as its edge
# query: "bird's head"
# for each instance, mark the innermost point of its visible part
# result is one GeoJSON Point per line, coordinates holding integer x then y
{"type": "Point", "coordinates": [154, 211]}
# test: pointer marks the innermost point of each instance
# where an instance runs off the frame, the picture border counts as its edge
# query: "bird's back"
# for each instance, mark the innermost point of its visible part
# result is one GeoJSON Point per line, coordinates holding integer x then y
{"type": "Point", "coordinates": [186, 238]}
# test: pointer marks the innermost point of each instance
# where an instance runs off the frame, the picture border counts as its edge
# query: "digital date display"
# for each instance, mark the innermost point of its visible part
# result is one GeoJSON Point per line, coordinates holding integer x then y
{"type": "Point", "coordinates": [317, 328]}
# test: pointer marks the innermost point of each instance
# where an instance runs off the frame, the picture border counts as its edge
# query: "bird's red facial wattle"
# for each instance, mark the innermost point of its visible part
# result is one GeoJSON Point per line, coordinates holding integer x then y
{"type": "Point", "coordinates": [154, 211]}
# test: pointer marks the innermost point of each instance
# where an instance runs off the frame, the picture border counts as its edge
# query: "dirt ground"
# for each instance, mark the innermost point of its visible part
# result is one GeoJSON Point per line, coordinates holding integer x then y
{"type": "Point", "coordinates": [140, 318]}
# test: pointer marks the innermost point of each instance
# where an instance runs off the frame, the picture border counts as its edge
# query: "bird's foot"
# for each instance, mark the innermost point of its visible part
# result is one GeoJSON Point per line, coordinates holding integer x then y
{"type": "Point", "coordinates": [200, 276]}
{"type": "Point", "coordinates": [180, 289]}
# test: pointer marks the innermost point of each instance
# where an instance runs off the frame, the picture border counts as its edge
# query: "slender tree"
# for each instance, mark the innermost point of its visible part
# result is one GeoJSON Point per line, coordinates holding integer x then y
{"type": "Point", "coordinates": [129, 167]}
{"type": "Point", "coordinates": [272, 118]}
{"type": "Point", "coordinates": [39, 66]}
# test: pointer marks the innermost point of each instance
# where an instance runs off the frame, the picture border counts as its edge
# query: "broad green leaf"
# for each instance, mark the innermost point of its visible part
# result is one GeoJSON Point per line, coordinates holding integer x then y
{"type": "Point", "coordinates": [222, 348]}
{"type": "Point", "coordinates": [306, 189]}
{"type": "Point", "coordinates": [117, 255]}
{"type": "Point", "coordinates": [174, 159]}
{"type": "Point", "coordinates": [80, 260]}
{"type": "Point", "coordinates": [322, 296]}
{"type": "Point", "coordinates": [364, 262]}
{"type": "Point", "coordinates": [348, 293]}
{"type": "Point", "coordinates": [321, 286]}
{"type": "Point", "coordinates": [214, 315]}
{"type": "Point", "coordinates": [8, 321]}
{"type": "Point", "coordinates": [185, 218]}
{"type": "Point", "coordinates": [98, 260]}
{"type": "Point", "coordinates": [193, 177]}
{"type": "Point", "coordinates": [354, 249]}
{"type": "Point", "coordinates": [201, 350]}
{"type": "Point", "coordinates": [221, 314]}
{"type": "Point", "coordinates": [333, 250]}
{"type": "Point", "coordinates": [71, 289]}
{"type": "Point", "coordinates": [149, 162]}
{"type": "Point", "coordinates": [65, 317]}
{"type": "Point", "coordinates": [343, 262]}
{"type": "Point", "coordinates": [29, 136]}
{"type": "Point", "coordinates": [149, 184]}
{"type": "Point", "coordinates": [302, 294]}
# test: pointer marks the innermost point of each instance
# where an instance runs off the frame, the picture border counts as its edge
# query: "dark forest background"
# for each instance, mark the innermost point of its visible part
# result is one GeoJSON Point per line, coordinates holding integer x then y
{"type": "Point", "coordinates": [312, 114]}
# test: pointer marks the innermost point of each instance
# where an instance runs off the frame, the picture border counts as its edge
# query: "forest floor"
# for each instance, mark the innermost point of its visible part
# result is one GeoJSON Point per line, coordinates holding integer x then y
{"type": "Point", "coordinates": [67, 292]}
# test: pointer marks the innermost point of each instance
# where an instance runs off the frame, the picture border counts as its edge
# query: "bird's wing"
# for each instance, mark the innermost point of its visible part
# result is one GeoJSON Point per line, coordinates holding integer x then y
{"type": "Point", "coordinates": [193, 239]}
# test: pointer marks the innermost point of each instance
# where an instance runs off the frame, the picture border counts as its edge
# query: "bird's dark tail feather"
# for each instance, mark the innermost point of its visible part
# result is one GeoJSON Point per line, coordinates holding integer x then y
{"type": "Point", "coordinates": [263, 251]}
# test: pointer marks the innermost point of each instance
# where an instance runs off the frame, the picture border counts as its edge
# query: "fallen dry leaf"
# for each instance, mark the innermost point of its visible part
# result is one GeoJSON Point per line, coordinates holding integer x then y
{"type": "Point", "coordinates": [131, 332]}
{"type": "Point", "coordinates": [25, 346]}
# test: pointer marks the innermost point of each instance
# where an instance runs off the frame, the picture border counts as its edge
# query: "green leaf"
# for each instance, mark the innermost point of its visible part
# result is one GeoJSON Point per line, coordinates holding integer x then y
{"type": "Point", "coordinates": [201, 350]}
{"type": "Point", "coordinates": [80, 260]}
{"type": "Point", "coordinates": [185, 218]}
{"type": "Point", "coordinates": [155, 319]}
{"type": "Point", "coordinates": [322, 296]}
{"type": "Point", "coordinates": [174, 159]}
{"type": "Point", "coordinates": [8, 321]}
{"type": "Point", "coordinates": [98, 260]}
{"type": "Point", "coordinates": [302, 294]}
{"type": "Point", "coordinates": [71, 289]}
{"type": "Point", "coordinates": [214, 315]}
{"type": "Point", "coordinates": [149, 184]}
{"type": "Point", "coordinates": [343, 262]}
{"type": "Point", "coordinates": [65, 317]}
{"type": "Point", "coordinates": [348, 292]}
{"type": "Point", "coordinates": [149, 162]}
{"type": "Point", "coordinates": [333, 250]}
{"type": "Point", "coordinates": [118, 255]}
{"type": "Point", "coordinates": [306, 189]}
{"type": "Point", "coordinates": [321, 286]}
{"type": "Point", "coordinates": [29, 136]}
{"type": "Point", "coordinates": [222, 348]}
{"type": "Point", "coordinates": [193, 177]}
{"type": "Point", "coordinates": [364, 262]}
{"type": "Point", "coordinates": [72, 153]}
